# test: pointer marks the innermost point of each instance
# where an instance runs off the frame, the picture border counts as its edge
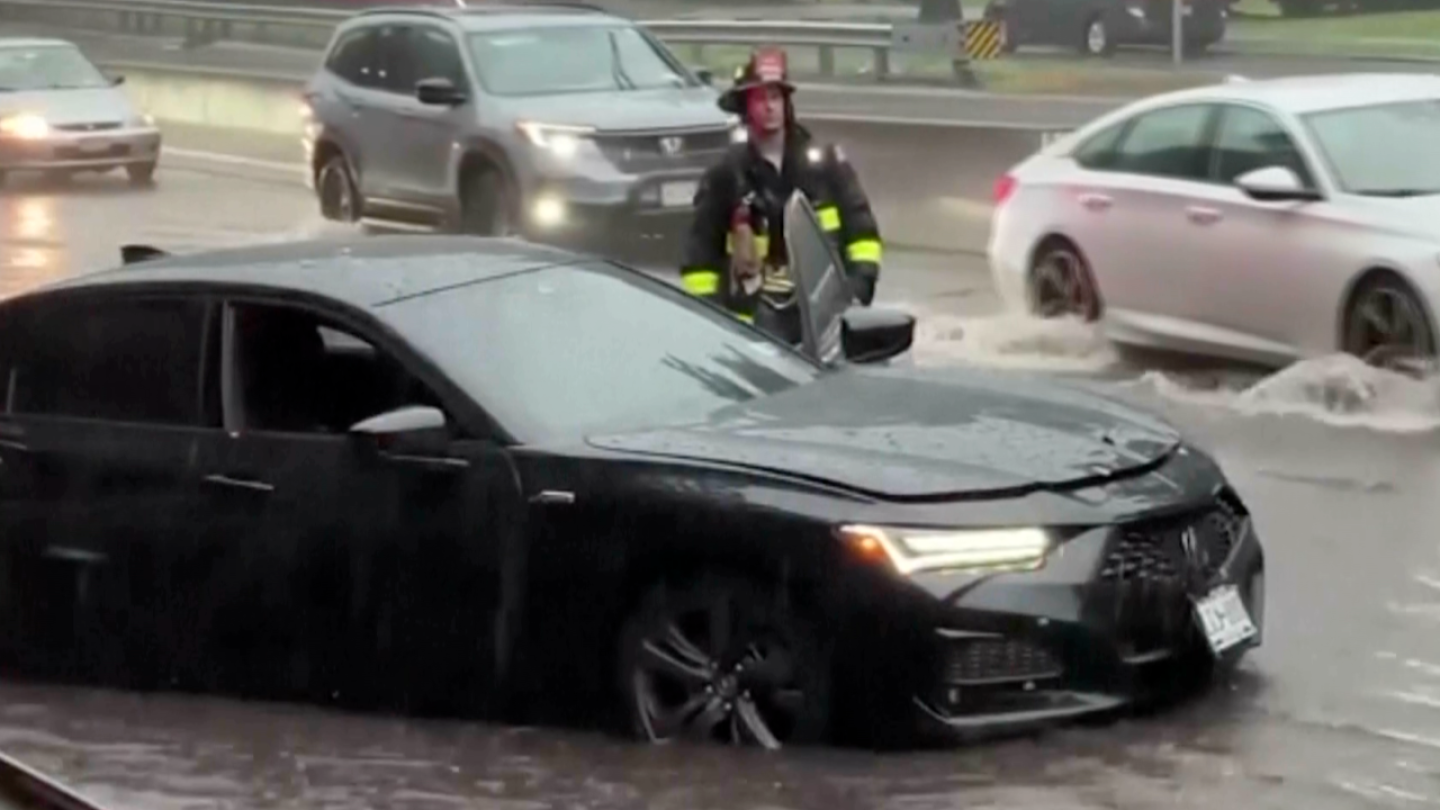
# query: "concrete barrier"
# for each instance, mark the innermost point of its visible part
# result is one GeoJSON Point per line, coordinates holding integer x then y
{"type": "Point", "coordinates": [930, 186]}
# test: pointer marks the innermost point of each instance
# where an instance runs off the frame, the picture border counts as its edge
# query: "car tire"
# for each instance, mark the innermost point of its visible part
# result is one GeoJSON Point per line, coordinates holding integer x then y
{"type": "Point", "coordinates": [142, 174]}
{"type": "Point", "coordinates": [1097, 39]}
{"type": "Point", "coordinates": [1060, 283]}
{"type": "Point", "coordinates": [766, 686]}
{"type": "Point", "coordinates": [1388, 326]}
{"type": "Point", "coordinates": [336, 190]}
{"type": "Point", "coordinates": [486, 208]}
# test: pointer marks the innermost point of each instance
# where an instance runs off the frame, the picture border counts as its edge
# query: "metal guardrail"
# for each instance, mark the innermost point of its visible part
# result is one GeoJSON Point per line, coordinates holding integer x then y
{"type": "Point", "coordinates": [201, 22]}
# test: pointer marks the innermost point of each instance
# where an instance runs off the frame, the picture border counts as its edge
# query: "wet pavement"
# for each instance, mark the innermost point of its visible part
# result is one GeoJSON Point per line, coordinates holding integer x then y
{"type": "Point", "coordinates": [1340, 708]}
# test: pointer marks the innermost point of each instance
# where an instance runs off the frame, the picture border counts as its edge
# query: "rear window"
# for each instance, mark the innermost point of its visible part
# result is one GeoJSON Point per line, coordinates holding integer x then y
{"type": "Point", "coordinates": [578, 59]}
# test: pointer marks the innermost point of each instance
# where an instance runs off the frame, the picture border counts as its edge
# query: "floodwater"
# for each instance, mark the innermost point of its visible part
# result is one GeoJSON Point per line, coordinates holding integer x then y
{"type": "Point", "coordinates": [1340, 709]}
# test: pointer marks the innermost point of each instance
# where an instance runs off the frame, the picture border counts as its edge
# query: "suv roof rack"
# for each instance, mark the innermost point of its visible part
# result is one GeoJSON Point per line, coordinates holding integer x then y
{"type": "Point", "coordinates": [481, 7]}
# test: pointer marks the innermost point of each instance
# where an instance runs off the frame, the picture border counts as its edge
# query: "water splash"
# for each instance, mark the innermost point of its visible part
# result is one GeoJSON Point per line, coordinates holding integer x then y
{"type": "Point", "coordinates": [1013, 341]}
{"type": "Point", "coordinates": [1338, 390]}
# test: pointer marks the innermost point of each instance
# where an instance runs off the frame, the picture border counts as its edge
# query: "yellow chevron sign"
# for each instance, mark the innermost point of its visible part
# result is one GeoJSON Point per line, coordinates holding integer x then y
{"type": "Point", "coordinates": [984, 39]}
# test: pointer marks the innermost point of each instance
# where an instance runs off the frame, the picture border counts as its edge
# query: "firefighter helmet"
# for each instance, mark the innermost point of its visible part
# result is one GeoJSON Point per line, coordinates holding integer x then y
{"type": "Point", "coordinates": [767, 66]}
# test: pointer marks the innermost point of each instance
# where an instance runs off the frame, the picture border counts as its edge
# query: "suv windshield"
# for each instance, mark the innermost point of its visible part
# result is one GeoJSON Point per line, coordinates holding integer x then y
{"type": "Point", "coordinates": [48, 67]}
{"type": "Point", "coordinates": [573, 349]}
{"type": "Point", "coordinates": [582, 59]}
{"type": "Point", "coordinates": [1382, 150]}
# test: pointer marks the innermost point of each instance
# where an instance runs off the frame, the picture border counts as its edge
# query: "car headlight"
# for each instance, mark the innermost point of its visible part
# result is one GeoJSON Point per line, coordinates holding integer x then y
{"type": "Point", "coordinates": [25, 126]}
{"type": "Point", "coordinates": [560, 140]}
{"type": "Point", "coordinates": [913, 550]}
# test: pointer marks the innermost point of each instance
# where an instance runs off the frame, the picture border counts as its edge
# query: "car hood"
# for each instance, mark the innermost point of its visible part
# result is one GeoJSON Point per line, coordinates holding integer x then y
{"type": "Point", "coordinates": [62, 107]}
{"type": "Point", "coordinates": [668, 108]}
{"type": "Point", "coordinates": [915, 435]}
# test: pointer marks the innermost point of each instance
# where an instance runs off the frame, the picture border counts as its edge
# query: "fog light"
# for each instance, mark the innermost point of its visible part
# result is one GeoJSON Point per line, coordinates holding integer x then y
{"type": "Point", "coordinates": [548, 212]}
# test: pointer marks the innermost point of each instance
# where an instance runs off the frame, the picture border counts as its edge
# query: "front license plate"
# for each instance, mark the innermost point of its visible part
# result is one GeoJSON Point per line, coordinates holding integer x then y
{"type": "Point", "coordinates": [1224, 618]}
{"type": "Point", "coordinates": [93, 146]}
{"type": "Point", "coordinates": [677, 195]}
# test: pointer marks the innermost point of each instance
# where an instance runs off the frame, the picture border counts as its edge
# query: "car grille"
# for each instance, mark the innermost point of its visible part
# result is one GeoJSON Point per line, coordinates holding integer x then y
{"type": "Point", "coordinates": [1156, 551]}
{"type": "Point", "coordinates": [997, 661]}
{"type": "Point", "coordinates": [74, 153]}
{"type": "Point", "coordinates": [647, 151]}
{"type": "Point", "coordinates": [92, 127]}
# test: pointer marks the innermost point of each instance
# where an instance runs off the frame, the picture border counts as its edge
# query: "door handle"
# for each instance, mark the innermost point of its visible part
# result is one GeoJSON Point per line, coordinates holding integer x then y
{"type": "Point", "coordinates": [1201, 215]}
{"type": "Point", "coordinates": [239, 483]}
{"type": "Point", "coordinates": [83, 556]}
{"type": "Point", "coordinates": [1096, 202]}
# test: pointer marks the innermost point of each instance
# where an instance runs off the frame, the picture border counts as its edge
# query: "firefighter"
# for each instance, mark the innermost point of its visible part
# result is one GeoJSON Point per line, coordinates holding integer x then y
{"type": "Point", "coordinates": [735, 254]}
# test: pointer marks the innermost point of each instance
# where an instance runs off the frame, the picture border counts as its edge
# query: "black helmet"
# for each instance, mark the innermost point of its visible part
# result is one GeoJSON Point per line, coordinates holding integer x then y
{"type": "Point", "coordinates": [766, 66]}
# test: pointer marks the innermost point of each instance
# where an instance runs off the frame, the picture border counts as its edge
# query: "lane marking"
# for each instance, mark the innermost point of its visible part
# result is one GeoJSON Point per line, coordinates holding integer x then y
{"type": "Point", "coordinates": [297, 168]}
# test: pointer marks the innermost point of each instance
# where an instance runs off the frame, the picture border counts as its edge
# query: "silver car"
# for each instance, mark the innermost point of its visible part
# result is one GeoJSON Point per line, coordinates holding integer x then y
{"type": "Point", "coordinates": [60, 114]}
{"type": "Point", "coordinates": [561, 123]}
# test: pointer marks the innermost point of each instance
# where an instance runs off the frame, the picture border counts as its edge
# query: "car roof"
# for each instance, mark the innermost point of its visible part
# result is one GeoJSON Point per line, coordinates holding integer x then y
{"type": "Point", "coordinates": [35, 42]}
{"type": "Point", "coordinates": [497, 16]}
{"type": "Point", "coordinates": [1307, 94]}
{"type": "Point", "coordinates": [362, 271]}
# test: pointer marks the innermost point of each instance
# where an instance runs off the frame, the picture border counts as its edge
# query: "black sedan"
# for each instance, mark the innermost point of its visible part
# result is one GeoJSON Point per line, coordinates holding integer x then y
{"type": "Point", "coordinates": [446, 474]}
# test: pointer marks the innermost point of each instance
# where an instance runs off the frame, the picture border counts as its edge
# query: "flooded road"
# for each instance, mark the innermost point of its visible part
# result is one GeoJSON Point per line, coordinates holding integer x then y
{"type": "Point", "coordinates": [1339, 709]}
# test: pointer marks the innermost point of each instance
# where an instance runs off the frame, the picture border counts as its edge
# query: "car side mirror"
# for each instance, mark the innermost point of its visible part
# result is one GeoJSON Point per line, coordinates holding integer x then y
{"type": "Point", "coordinates": [116, 81]}
{"type": "Point", "coordinates": [439, 93]}
{"type": "Point", "coordinates": [417, 430]}
{"type": "Point", "coordinates": [874, 335]}
{"type": "Point", "coordinates": [706, 76]}
{"type": "Point", "coordinates": [1274, 184]}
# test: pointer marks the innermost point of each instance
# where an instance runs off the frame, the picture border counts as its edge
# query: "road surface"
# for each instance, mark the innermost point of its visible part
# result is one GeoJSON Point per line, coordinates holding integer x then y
{"type": "Point", "coordinates": [1340, 709]}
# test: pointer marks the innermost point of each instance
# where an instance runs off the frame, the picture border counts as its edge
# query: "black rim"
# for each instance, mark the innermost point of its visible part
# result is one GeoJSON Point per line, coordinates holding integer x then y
{"type": "Point", "coordinates": [1062, 286]}
{"type": "Point", "coordinates": [716, 670]}
{"type": "Point", "coordinates": [487, 213]}
{"type": "Point", "coordinates": [336, 194]}
{"type": "Point", "coordinates": [1389, 329]}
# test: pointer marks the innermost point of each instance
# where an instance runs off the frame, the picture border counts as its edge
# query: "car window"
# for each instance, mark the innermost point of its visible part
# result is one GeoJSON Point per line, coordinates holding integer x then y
{"type": "Point", "coordinates": [127, 360]}
{"type": "Point", "coordinates": [1381, 149]}
{"type": "Point", "coordinates": [1098, 151]}
{"type": "Point", "coordinates": [1250, 139]}
{"type": "Point", "coordinates": [47, 67]}
{"type": "Point", "coordinates": [434, 55]}
{"type": "Point", "coordinates": [572, 349]}
{"type": "Point", "coordinates": [580, 59]}
{"type": "Point", "coordinates": [356, 58]}
{"type": "Point", "coordinates": [1166, 143]}
{"type": "Point", "coordinates": [298, 372]}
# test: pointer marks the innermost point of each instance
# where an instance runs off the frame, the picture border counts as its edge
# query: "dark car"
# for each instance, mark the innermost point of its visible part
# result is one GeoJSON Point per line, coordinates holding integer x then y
{"type": "Point", "coordinates": [560, 122]}
{"type": "Point", "coordinates": [1098, 27]}
{"type": "Point", "coordinates": [463, 475]}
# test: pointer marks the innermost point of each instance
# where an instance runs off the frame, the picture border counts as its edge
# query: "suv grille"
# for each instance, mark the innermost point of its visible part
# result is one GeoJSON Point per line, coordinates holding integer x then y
{"type": "Point", "coordinates": [652, 151]}
{"type": "Point", "coordinates": [1158, 551]}
{"type": "Point", "coordinates": [95, 127]}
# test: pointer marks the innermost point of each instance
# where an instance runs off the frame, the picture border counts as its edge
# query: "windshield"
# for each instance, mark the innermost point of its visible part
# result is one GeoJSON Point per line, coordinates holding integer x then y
{"type": "Point", "coordinates": [585, 59]}
{"type": "Point", "coordinates": [1390, 150]}
{"type": "Point", "coordinates": [571, 350]}
{"type": "Point", "coordinates": [49, 67]}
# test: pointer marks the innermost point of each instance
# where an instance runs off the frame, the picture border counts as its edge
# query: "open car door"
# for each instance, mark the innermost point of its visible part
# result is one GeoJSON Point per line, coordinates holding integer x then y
{"type": "Point", "coordinates": [824, 290]}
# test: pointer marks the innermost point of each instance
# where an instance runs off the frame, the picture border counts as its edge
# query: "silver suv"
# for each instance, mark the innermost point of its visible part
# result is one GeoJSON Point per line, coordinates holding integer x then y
{"type": "Point", "coordinates": [558, 122]}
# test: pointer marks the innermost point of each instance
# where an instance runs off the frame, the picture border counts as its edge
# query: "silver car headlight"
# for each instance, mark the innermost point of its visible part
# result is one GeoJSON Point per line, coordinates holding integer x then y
{"type": "Point", "coordinates": [24, 126]}
{"type": "Point", "coordinates": [559, 140]}
{"type": "Point", "coordinates": [911, 551]}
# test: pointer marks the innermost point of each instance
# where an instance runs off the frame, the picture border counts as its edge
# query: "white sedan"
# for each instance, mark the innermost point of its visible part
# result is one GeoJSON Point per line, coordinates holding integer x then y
{"type": "Point", "coordinates": [1265, 221]}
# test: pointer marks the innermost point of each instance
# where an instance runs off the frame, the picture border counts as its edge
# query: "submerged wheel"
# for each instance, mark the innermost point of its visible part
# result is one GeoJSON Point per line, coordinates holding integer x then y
{"type": "Point", "coordinates": [1061, 284]}
{"type": "Point", "coordinates": [485, 204]}
{"type": "Point", "coordinates": [335, 186]}
{"type": "Point", "coordinates": [1386, 325]}
{"type": "Point", "coordinates": [1097, 41]}
{"type": "Point", "coordinates": [723, 660]}
{"type": "Point", "coordinates": [141, 174]}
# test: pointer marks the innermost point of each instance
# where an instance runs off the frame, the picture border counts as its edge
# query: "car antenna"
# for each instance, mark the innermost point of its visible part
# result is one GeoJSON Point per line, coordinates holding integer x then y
{"type": "Point", "coordinates": [132, 254]}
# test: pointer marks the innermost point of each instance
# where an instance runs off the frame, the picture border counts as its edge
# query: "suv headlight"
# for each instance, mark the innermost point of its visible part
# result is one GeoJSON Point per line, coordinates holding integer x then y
{"type": "Point", "coordinates": [558, 139]}
{"type": "Point", "coordinates": [24, 126]}
{"type": "Point", "coordinates": [913, 550]}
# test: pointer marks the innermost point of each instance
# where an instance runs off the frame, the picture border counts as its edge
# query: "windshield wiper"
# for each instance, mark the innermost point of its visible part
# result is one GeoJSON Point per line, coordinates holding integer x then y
{"type": "Point", "coordinates": [1399, 192]}
{"type": "Point", "coordinates": [617, 71]}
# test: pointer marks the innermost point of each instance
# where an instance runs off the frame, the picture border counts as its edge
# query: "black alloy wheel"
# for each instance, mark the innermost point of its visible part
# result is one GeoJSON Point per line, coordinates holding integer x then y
{"type": "Point", "coordinates": [485, 205]}
{"type": "Point", "coordinates": [723, 660]}
{"type": "Point", "coordinates": [335, 186]}
{"type": "Point", "coordinates": [1388, 327]}
{"type": "Point", "coordinates": [1061, 284]}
